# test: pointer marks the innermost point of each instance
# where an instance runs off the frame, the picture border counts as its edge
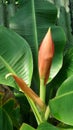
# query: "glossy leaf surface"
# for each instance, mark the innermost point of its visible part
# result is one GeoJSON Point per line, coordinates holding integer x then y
{"type": "Point", "coordinates": [26, 127]}
{"type": "Point", "coordinates": [59, 42]}
{"type": "Point", "coordinates": [15, 57]}
{"type": "Point", "coordinates": [46, 126]}
{"type": "Point", "coordinates": [62, 105]}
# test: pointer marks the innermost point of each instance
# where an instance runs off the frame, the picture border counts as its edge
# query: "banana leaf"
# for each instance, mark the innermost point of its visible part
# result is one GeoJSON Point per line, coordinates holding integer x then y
{"type": "Point", "coordinates": [15, 57]}
{"type": "Point", "coordinates": [32, 22]}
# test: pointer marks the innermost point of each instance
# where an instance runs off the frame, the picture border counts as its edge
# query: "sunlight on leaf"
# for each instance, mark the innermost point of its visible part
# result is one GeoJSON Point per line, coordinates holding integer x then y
{"type": "Point", "coordinates": [15, 57]}
{"type": "Point", "coordinates": [26, 127]}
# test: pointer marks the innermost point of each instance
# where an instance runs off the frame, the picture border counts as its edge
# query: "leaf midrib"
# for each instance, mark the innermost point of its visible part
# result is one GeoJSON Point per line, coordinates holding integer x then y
{"type": "Point", "coordinates": [34, 24]}
{"type": "Point", "coordinates": [65, 94]}
{"type": "Point", "coordinates": [7, 65]}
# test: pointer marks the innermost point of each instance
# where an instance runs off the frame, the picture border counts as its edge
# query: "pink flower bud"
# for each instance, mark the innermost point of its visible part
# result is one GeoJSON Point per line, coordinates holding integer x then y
{"type": "Point", "coordinates": [45, 56]}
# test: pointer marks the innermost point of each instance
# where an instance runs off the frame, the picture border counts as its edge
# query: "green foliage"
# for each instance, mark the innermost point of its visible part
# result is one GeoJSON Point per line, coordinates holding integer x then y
{"type": "Point", "coordinates": [42, 15]}
{"type": "Point", "coordinates": [61, 106]}
{"type": "Point", "coordinates": [5, 120]}
{"type": "Point", "coordinates": [46, 126]}
{"type": "Point", "coordinates": [59, 48]}
{"type": "Point", "coordinates": [15, 57]}
{"type": "Point", "coordinates": [43, 126]}
{"type": "Point", "coordinates": [19, 56]}
{"type": "Point", "coordinates": [26, 127]}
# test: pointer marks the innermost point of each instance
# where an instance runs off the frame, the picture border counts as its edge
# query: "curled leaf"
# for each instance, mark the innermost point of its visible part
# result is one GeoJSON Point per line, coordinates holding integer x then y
{"type": "Point", "coordinates": [45, 56]}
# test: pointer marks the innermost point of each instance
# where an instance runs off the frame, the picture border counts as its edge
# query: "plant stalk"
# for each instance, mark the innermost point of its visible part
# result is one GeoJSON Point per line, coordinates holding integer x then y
{"type": "Point", "coordinates": [47, 112]}
{"type": "Point", "coordinates": [35, 110]}
{"type": "Point", "coordinates": [42, 90]}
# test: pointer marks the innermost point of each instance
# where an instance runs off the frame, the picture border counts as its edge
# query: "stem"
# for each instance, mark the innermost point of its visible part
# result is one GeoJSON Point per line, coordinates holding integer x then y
{"type": "Point", "coordinates": [35, 110]}
{"type": "Point", "coordinates": [47, 112]}
{"type": "Point", "coordinates": [42, 90]}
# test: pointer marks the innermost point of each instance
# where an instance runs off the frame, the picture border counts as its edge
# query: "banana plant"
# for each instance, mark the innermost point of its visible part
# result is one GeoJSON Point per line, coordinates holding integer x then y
{"type": "Point", "coordinates": [32, 51]}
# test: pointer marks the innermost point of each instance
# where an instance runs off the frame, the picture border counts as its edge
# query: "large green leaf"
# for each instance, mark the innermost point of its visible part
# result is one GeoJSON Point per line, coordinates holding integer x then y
{"type": "Point", "coordinates": [5, 120]}
{"type": "Point", "coordinates": [33, 24]}
{"type": "Point", "coordinates": [15, 57]}
{"type": "Point", "coordinates": [26, 127]}
{"type": "Point", "coordinates": [59, 42]}
{"type": "Point", "coordinates": [65, 72]}
{"type": "Point", "coordinates": [46, 126]}
{"type": "Point", "coordinates": [66, 87]}
{"type": "Point", "coordinates": [24, 23]}
{"type": "Point", "coordinates": [41, 15]}
{"type": "Point", "coordinates": [62, 105]}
